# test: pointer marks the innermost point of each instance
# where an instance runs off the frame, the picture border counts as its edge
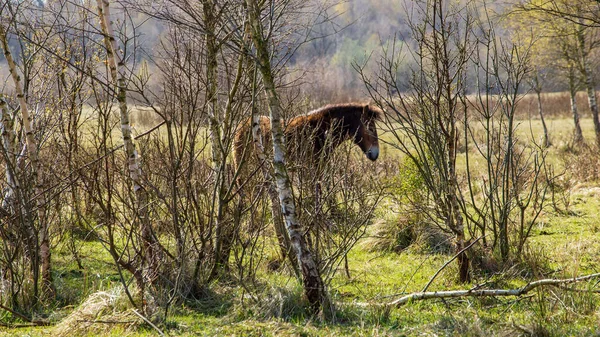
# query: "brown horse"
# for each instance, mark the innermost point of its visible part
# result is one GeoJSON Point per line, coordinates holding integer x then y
{"type": "Point", "coordinates": [312, 137]}
{"type": "Point", "coordinates": [320, 131]}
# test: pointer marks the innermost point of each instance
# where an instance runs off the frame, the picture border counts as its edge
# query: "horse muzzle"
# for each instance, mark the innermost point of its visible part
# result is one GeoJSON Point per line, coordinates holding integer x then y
{"type": "Point", "coordinates": [372, 153]}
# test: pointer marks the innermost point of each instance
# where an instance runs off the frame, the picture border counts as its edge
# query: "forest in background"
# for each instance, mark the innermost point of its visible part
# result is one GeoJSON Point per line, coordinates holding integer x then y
{"type": "Point", "coordinates": [360, 30]}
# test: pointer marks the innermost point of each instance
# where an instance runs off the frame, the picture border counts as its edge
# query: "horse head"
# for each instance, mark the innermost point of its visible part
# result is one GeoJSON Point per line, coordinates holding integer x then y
{"type": "Point", "coordinates": [365, 132]}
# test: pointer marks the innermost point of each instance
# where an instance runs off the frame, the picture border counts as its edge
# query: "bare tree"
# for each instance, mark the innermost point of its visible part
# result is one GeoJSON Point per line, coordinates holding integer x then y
{"type": "Point", "coordinates": [32, 151]}
{"type": "Point", "coordinates": [429, 121]}
{"type": "Point", "coordinates": [536, 85]}
{"type": "Point", "coordinates": [514, 182]}
{"type": "Point", "coordinates": [425, 122]}
{"type": "Point", "coordinates": [313, 284]}
{"type": "Point", "coordinates": [577, 133]}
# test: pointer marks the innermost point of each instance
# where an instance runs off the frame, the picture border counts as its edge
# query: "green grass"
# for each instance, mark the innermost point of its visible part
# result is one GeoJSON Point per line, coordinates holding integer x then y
{"type": "Point", "coordinates": [567, 244]}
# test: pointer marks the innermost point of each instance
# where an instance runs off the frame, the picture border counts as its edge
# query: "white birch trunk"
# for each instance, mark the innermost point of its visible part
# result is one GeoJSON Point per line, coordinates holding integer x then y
{"type": "Point", "coordinates": [259, 150]}
{"type": "Point", "coordinates": [32, 151]}
{"type": "Point", "coordinates": [313, 284]}
{"type": "Point", "coordinates": [117, 72]}
{"type": "Point", "coordinates": [8, 142]}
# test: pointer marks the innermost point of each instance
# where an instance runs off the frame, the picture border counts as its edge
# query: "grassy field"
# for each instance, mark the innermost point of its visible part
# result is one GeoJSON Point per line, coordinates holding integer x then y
{"type": "Point", "coordinates": [562, 245]}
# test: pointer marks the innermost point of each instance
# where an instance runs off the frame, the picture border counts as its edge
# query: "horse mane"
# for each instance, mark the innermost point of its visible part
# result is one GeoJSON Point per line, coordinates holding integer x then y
{"type": "Point", "coordinates": [336, 111]}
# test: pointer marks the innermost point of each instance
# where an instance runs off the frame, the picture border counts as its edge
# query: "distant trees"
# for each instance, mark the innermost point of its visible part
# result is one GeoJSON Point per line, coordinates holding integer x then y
{"type": "Point", "coordinates": [570, 29]}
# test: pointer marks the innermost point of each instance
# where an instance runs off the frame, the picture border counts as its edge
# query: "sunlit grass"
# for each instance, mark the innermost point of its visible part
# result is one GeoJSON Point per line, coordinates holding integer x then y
{"type": "Point", "coordinates": [570, 243]}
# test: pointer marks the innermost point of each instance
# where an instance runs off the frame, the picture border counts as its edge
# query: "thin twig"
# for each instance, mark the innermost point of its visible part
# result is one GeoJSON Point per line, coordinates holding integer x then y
{"type": "Point", "coordinates": [448, 262]}
{"type": "Point", "coordinates": [148, 321]}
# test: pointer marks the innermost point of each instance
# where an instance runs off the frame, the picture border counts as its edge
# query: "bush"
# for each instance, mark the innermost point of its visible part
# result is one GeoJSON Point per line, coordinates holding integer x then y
{"type": "Point", "coordinates": [406, 227]}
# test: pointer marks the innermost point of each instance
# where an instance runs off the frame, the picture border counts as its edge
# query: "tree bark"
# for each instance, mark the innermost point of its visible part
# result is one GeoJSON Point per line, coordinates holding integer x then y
{"type": "Point", "coordinates": [456, 222]}
{"type": "Point", "coordinates": [278, 223]}
{"type": "Point", "coordinates": [10, 150]}
{"type": "Point", "coordinates": [223, 231]}
{"type": "Point", "coordinates": [313, 283]}
{"type": "Point", "coordinates": [474, 292]}
{"type": "Point", "coordinates": [577, 133]}
{"type": "Point", "coordinates": [538, 92]}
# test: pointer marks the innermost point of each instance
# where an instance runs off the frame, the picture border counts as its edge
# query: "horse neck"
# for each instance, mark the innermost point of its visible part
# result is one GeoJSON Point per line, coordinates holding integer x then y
{"type": "Point", "coordinates": [335, 119]}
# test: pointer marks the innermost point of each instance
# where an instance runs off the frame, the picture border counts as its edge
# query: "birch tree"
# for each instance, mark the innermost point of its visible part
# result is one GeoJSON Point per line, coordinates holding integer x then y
{"type": "Point", "coordinates": [32, 151]}
{"type": "Point", "coordinates": [150, 251]}
{"type": "Point", "coordinates": [10, 155]}
{"type": "Point", "coordinates": [313, 284]}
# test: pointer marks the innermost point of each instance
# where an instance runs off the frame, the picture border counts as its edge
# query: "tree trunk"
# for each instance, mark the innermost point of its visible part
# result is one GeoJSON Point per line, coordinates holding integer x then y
{"type": "Point", "coordinates": [313, 284]}
{"type": "Point", "coordinates": [546, 141]}
{"type": "Point", "coordinates": [577, 133]}
{"type": "Point", "coordinates": [456, 222]}
{"type": "Point", "coordinates": [224, 231]}
{"type": "Point", "coordinates": [591, 93]}
{"type": "Point", "coordinates": [10, 150]}
{"type": "Point", "coordinates": [538, 92]}
{"type": "Point", "coordinates": [149, 247]}
{"type": "Point", "coordinates": [278, 223]}
{"type": "Point", "coordinates": [32, 150]}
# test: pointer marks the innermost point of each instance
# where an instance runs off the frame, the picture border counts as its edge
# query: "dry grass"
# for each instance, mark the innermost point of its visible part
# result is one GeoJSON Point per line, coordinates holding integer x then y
{"type": "Point", "coordinates": [554, 105]}
{"type": "Point", "coordinates": [101, 313]}
{"type": "Point", "coordinates": [396, 235]}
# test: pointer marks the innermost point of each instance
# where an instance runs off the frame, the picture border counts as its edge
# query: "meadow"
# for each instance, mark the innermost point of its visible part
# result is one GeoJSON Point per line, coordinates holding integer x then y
{"type": "Point", "coordinates": [124, 213]}
{"type": "Point", "coordinates": [563, 244]}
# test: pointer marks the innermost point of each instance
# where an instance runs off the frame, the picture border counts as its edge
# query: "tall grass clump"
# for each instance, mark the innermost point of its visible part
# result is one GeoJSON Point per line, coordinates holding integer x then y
{"type": "Point", "coordinates": [403, 225]}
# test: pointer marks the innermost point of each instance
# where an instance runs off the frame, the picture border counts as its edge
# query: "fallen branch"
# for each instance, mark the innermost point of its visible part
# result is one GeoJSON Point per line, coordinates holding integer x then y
{"type": "Point", "coordinates": [475, 292]}
{"type": "Point", "coordinates": [31, 322]}
{"type": "Point", "coordinates": [98, 321]}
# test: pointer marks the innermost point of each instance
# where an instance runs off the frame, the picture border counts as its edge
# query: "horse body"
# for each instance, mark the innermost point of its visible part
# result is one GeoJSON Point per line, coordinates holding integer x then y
{"type": "Point", "coordinates": [319, 132]}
